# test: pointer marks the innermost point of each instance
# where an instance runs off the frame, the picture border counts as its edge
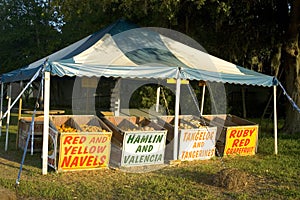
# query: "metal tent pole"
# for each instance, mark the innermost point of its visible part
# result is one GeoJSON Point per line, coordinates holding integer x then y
{"type": "Point", "coordinates": [176, 125]}
{"type": "Point", "coordinates": [24, 89]}
{"type": "Point", "coordinates": [157, 99]}
{"type": "Point", "coordinates": [19, 115]}
{"type": "Point", "coordinates": [1, 107]}
{"type": "Point", "coordinates": [202, 100]}
{"type": "Point", "coordinates": [46, 123]}
{"type": "Point", "coordinates": [8, 115]}
{"type": "Point", "coordinates": [275, 121]}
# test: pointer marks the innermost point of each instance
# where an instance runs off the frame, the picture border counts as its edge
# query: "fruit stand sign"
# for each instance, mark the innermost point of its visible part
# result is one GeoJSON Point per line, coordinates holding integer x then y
{"type": "Point", "coordinates": [81, 151]}
{"type": "Point", "coordinates": [143, 148]}
{"type": "Point", "coordinates": [241, 140]}
{"type": "Point", "coordinates": [52, 152]}
{"type": "Point", "coordinates": [197, 144]}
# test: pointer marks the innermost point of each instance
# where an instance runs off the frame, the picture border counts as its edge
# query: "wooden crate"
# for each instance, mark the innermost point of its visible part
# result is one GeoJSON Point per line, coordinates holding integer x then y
{"type": "Point", "coordinates": [185, 122]}
{"type": "Point", "coordinates": [121, 124]}
{"type": "Point", "coordinates": [90, 140]}
{"type": "Point", "coordinates": [225, 124]}
{"type": "Point", "coordinates": [138, 140]}
{"type": "Point", "coordinates": [24, 128]}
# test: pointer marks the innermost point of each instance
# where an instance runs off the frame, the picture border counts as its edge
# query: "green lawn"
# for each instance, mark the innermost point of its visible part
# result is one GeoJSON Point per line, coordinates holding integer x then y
{"type": "Point", "coordinates": [270, 176]}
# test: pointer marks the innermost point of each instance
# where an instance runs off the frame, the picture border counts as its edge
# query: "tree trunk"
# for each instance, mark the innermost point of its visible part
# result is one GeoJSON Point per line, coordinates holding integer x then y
{"type": "Point", "coordinates": [292, 70]}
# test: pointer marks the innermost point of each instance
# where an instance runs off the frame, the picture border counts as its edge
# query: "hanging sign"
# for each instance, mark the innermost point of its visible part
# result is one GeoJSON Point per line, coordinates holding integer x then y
{"type": "Point", "coordinates": [241, 140]}
{"type": "Point", "coordinates": [197, 144]}
{"type": "Point", "coordinates": [89, 82]}
{"type": "Point", "coordinates": [143, 148]}
{"type": "Point", "coordinates": [173, 81]}
{"type": "Point", "coordinates": [84, 151]}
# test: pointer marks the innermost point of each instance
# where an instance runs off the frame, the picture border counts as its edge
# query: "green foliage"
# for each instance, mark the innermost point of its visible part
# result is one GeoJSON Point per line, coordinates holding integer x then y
{"type": "Point", "coordinates": [145, 97]}
{"type": "Point", "coordinates": [27, 27]}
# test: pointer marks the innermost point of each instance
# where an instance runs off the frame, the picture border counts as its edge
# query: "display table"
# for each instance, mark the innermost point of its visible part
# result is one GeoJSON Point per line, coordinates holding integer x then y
{"type": "Point", "coordinates": [41, 112]}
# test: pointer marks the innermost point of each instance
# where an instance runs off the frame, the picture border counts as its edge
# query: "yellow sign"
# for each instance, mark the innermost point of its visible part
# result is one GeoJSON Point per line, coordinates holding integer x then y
{"type": "Point", "coordinates": [173, 81]}
{"type": "Point", "coordinates": [84, 151]}
{"type": "Point", "coordinates": [89, 82]}
{"type": "Point", "coordinates": [241, 140]}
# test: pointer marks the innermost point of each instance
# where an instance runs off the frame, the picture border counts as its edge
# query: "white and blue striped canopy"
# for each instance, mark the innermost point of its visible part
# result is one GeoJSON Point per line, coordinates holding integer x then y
{"type": "Point", "coordinates": [127, 51]}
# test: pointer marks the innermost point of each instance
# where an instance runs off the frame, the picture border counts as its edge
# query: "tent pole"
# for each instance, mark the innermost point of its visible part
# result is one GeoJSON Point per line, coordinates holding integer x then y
{"type": "Point", "coordinates": [22, 92]}
{"type": "Point", "coordinates": [202, 100]}
{"type": "Point", "coordinates": [275, 120]}
{"type": "Point", "coordinates": [46, 123]}
{"type": "Point", "coordinates": [157, 99]}
{"type": "Point", "coordinates": [8, 115]}
{"type": "Point", "coordinates": [19, 115]}
{"type": "Point", "coordinates": [1, 108]}
{"type": "Point", "coordinates": [176, 125]}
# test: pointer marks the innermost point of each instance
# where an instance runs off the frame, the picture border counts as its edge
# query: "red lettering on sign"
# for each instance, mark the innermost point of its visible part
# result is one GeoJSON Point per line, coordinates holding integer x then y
{"type": "Point", "coordinates": [74, 150]}
{"type": "Point", "coordinates": [247, 141]}
{"type": "Point", "coordinates": [67, 149]}
{"type": "Point", "coordinates": [245, 133]}
{"type": "Point", "coordinates": [232, 134]}
{"type": "Point", "coordinates": [240, 142]}
{"type": "Point", "coordinates": [252, 131]}
{"type": "Point", "coordinates": [68, 140]}
{"type": "Point", "coordinates": [74, 140]}
{"type": "Point", "coordinates": [239, 133]}
{"type": "Point", "coordinates": [235, 143]}
{"type": "Point", "coordinates": [90, 160]}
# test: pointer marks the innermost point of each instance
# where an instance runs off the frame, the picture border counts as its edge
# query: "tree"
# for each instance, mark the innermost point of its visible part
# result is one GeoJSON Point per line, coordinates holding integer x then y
{"type": "Point", "coordinates": [29, 30]}
{"type": "Point", "coordinates": [262, 35]}
{"type": "Point", "coordinates": [291, 67]}
{"type": "Point", "coordinates": [257, 34]}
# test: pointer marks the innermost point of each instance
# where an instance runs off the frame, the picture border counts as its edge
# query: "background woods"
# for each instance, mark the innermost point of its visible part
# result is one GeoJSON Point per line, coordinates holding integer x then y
{"type": "Point", "coordinates": [258, 34]}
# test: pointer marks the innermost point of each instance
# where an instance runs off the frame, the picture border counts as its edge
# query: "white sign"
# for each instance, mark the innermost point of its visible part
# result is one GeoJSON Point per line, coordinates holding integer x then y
{"type": "Point", "coordinates": [143, 148]}
{"type": "Point", "coordinates": [197, 144]}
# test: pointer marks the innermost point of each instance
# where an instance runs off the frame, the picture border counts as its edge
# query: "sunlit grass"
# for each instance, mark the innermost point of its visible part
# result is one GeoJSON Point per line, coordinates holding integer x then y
{"type": "Point", "coordinates": [275, 176]}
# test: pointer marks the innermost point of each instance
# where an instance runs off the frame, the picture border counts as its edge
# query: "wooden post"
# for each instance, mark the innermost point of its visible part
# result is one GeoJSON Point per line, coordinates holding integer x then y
{"type": "Point", "coordinates": [46, 123]}
{"type": "Point", "coordinates": [19, 116]}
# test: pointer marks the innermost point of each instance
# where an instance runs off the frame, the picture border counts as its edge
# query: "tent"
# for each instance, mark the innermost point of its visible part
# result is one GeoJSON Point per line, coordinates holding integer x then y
{"type": "Point", "coordinates": [126, 51]}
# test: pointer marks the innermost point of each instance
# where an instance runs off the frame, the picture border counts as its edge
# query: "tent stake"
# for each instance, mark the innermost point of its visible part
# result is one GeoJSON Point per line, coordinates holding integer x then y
{"type": "Point", "coordinates": [275, 121]}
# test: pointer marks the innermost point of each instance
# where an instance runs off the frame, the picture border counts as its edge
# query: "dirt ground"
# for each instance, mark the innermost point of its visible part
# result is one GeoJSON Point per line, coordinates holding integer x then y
{"type": "Point", "coordinates": [6, 194]}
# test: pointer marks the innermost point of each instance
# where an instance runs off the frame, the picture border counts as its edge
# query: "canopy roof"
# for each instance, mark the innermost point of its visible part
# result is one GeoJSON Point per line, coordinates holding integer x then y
{"type": "Point", "coordinates": [125, 50]}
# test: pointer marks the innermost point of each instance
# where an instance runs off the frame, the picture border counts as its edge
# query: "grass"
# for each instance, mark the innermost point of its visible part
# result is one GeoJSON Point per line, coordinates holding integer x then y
{"type": "Point", "coordinates": [270, 176]}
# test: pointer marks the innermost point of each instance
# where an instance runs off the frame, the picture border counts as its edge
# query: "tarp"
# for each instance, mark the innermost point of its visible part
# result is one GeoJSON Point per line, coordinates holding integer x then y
{"type": "Point", "coordinates": [127, 51]}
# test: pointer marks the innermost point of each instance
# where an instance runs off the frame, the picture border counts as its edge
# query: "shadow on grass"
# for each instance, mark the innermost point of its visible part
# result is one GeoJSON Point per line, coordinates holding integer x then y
{"type": "Point", "coordinates": [14, 153]}
{"type": "Point", "coordinates": [192, 174]}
